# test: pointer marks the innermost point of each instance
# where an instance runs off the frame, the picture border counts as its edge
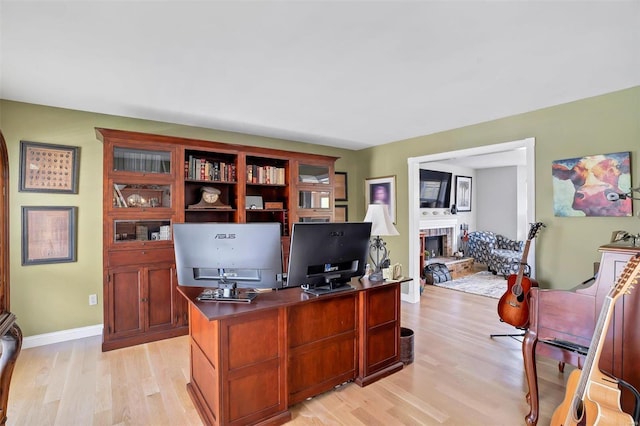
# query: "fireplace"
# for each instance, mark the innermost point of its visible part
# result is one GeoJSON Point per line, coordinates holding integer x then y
{"type": "Point", "coordinates": [440, 240]}
{"type": "Point", "coordinates": [434, 245]}
{"type": "Point", "coordinates": [439, 236]}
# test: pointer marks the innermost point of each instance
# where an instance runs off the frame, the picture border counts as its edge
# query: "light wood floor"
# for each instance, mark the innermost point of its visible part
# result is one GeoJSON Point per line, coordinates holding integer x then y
{"type": "Point", "coordinates": [460, 376]}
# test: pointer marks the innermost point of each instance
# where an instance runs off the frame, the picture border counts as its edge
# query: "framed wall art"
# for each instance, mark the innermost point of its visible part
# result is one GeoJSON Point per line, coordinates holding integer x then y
{"type": "Point", "coordinates": [381, 190]}
{"type": "Point", "coordinates": [48, 235]}
{"type": "Point", "coordinates": [341, 186]}
{"type": "Point", "coordinates": [341, 214]}
{"type": "Point", "coordinates": [591, 185]}
{"type": "Point", "coordinates": [48, 168]}
{"type": "Point", "coordinates": [463, 193]}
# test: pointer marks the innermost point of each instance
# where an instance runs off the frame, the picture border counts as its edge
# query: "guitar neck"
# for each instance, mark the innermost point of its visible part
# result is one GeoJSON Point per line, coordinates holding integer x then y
{"type": "Point", "coordinates": [523, 261]}
{"type": "Point", "coordinates": [595, 348]}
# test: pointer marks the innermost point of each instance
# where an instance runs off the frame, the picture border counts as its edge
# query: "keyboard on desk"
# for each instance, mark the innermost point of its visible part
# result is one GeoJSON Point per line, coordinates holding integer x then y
{"type": "Point", "coordinates": [319, 291]}
{"type": "Point", "coordinates": [216, 296]}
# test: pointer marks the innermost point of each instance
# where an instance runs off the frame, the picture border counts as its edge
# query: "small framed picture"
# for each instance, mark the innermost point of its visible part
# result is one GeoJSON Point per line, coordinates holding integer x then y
{"type": "Point", "coordinates": [48, 235]}
{"type": "Point", "coordinates": [341, 186]}
{"type": "Point", "coordinates": [48, 168]}
{"type": "Point", "coordinates": [381, 190]}
{"type": "Point", "coordinates": [463, 193]}
{"type": "Point", "coordinates": [341, 214]}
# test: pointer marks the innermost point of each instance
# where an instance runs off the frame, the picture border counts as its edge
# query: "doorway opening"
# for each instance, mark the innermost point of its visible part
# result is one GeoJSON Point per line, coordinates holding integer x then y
{"type": "Point", "coordinates": [504, 151]}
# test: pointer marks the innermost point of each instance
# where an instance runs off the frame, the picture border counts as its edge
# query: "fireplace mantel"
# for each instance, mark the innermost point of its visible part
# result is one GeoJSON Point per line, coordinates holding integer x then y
{"type": "Point", "coordinates": [444, 221]}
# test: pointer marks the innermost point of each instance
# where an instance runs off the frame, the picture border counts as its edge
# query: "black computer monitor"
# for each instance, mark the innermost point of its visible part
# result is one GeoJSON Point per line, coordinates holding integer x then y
{"type": "Point", "coordinates": [245, 255]}
{"type": "Point", "coordinates": [327, 255]}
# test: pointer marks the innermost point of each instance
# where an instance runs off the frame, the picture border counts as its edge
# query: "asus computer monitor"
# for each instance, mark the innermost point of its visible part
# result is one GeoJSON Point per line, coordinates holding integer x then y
{"type": "Point", "coordinates": [248, 255]}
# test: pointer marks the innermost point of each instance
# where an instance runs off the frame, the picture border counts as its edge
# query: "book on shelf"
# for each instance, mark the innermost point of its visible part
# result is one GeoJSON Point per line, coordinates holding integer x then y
{"type": "Point", "coordinates": [205, 170]}
{"type": "Point", "coordinates": [269, 175]}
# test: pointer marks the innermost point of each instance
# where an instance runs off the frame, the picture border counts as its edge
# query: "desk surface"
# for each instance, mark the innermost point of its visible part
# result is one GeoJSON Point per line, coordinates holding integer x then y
{"type": "Point", "coordinates": [271, 299]}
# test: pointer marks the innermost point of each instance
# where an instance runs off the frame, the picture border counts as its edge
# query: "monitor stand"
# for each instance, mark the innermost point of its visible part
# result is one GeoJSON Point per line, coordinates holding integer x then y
{"type": "Point", "coordinates": [318, 291]}
{"type": "Point", "coordinates": [226, 292]}
{"type": "Point", "coordinates": [331, 286]}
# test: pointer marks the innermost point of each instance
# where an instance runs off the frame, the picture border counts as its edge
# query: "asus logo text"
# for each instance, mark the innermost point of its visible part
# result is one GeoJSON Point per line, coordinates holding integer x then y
{"type": "Point", "coordinates": [225, 236]}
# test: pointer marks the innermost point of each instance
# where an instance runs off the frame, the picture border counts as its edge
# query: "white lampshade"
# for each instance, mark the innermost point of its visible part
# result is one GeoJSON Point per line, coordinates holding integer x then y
{"type": "Point", "coordinates": [381, 223]}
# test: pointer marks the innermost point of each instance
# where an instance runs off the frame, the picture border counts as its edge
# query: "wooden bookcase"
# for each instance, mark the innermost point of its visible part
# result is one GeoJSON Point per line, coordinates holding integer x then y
{"type": "Point", "coordinates": [152, 181]}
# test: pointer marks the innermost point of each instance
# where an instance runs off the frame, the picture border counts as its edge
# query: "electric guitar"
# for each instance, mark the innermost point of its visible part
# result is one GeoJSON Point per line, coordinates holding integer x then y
{"type": "Point", "coordinates": [513, 307]}
{"type": "Point", "coordinates": [592, 397]}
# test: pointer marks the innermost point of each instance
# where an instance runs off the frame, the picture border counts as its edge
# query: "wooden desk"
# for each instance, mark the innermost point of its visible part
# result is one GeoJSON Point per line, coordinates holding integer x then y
{"type": "Point", "coordinates": [250, 362]}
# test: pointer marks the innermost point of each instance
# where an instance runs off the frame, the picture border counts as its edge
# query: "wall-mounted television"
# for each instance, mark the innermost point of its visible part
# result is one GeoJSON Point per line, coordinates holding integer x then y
{"type": "Point", "coordinates": [435, 189]}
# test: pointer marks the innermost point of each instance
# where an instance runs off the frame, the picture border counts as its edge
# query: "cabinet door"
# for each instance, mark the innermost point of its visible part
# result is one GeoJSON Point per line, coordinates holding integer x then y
{"type": "Point", "coordinates": [124, 300]}
{"type": "Point", "coordinates": [129, 157]}
{"type": "Point", "coordinates": [160, 309]}
{"type": "Point", "coordinates": [379, 330]}
{"type": "Point", "coordinates": [322, 341]}
{"type": "Point", "coordinates": [314, 191]}
{"type": "Point", "coordinates": [181, 306]}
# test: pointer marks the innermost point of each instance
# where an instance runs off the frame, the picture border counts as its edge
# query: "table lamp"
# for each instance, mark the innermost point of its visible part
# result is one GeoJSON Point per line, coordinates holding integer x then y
{"type": "Point", "coordinates": [381, 225]}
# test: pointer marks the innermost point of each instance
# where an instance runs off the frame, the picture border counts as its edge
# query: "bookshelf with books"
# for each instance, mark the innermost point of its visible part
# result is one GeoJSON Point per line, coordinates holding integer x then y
{"type": "Point", "coordinates": [152, 181]}
{"type": "Point", "coordinates": [212, 171]}
{"type": "Point", "coordinates": [267, 191]}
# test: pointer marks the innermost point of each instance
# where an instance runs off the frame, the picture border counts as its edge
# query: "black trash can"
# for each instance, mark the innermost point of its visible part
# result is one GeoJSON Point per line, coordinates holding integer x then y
{"type": "Point", "coordinates": [406, 345]}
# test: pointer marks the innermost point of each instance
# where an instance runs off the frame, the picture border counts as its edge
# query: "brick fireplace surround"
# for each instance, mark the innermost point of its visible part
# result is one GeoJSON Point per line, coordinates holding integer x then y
{"type": "Point", "coordinates": [447, 240]}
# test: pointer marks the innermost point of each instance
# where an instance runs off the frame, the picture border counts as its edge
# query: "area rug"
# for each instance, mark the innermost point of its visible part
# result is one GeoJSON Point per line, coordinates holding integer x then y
{"type": "Point", "coordinates": [483, 283]}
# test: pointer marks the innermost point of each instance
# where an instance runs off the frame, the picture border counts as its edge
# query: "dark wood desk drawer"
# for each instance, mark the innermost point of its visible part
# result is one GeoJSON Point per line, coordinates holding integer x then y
{"type": "Point", "coordinates": [143, 256]}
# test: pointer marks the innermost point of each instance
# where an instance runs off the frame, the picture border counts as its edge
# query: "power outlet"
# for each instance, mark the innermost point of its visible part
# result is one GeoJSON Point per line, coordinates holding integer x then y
{"type": "Point", "coordinates": [93, 299]}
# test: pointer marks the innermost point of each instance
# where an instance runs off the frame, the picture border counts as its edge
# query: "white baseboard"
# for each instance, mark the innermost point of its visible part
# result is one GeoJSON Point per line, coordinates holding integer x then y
{"type": "Point", "coordinates": [61, 336]}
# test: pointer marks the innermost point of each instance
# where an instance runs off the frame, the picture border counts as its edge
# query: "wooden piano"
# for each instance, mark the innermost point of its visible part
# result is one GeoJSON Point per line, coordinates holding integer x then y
{"type": "Point", "coordinates": [562, 322]}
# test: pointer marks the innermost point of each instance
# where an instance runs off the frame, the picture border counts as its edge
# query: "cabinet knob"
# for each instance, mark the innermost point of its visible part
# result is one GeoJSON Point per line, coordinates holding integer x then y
{"type": "Point", "coordinates": [143, 252]}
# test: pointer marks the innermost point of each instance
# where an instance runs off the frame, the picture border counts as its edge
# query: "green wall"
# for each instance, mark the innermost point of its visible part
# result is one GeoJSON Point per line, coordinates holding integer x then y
{"type": "Point", "coordinates": [49, 298]}
{"type": "Point", "coordinates": [567, 248]}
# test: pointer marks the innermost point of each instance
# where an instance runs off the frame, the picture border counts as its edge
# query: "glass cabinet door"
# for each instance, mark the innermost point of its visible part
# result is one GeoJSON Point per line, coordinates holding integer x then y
{"type": "Point", "coordinates": [139, 195]}
{"type": "Point", "coordinates": [141, 160]}
{"type": "Point", "coordinates": [141, 230]}
{"type": "Point", "coordinates": [314, 199]}
{"type": "Point", "coordinates": [308, 173]}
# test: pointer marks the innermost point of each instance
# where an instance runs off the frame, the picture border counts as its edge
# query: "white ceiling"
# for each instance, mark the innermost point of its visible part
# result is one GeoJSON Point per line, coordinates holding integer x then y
{"type": "Point", "coordinates": [349, 74]}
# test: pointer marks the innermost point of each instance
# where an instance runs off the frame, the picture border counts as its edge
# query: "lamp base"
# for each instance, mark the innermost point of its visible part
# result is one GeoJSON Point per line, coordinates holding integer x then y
{"type": "Point", "coordinates": [376, 276]}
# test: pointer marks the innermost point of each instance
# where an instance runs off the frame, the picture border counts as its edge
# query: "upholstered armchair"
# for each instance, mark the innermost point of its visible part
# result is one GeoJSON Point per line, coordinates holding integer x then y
{"type": "Point", "coordinates": [502, 255]}
{"type": "Point", "coordinates": [506, 256]}
{"type": "Point", "coordinates": [480, 246]}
